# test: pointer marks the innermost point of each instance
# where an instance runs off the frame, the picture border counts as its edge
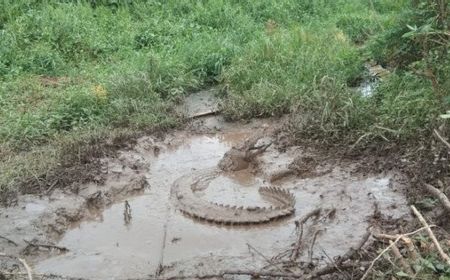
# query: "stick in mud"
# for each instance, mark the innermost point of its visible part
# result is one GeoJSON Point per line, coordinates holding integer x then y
{"type": "Point", "coordinates": [299, 224]}
{"type": "Point", "coordinates": [127, 212]}
{"type": "Point", "coordinates": [160, 268]}
{"type": "Point", "coordinates": [311, 248]}
{"type": "Point", "coordinates": [48, 246]}
{"type": "Point", "coordinates": [9, 240]}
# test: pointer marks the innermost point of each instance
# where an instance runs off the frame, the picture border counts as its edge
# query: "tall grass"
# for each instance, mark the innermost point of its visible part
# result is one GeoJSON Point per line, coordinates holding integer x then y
{"type": "Point", "coordinates": [68, 67]}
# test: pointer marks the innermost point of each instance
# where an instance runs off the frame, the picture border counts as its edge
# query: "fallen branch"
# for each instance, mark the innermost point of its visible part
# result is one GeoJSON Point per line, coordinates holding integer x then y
{"type": "Point", "coordinates": [443, 255]}
{"type": "Point", "coordinates": [389, 247]}
{"type": "Point", "coordinates": [9, 240]}
{"type": "Point", "coordinates": [439, 195]}
{"type": "Point", "coordinates": [48, 246]}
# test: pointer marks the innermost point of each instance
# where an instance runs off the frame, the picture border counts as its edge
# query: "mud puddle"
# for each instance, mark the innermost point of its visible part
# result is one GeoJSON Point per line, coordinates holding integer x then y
{"type": "Point", "coordinates": [136, 231]}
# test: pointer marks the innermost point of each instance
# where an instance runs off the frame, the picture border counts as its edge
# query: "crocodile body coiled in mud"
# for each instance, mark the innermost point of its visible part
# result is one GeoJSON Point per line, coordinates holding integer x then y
{"type": "Point", "coordinates": [184, 193]}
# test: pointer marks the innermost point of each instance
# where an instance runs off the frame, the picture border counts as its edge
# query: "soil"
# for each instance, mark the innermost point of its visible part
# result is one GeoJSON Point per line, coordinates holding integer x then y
{"type": "Point", "coordinates": [125, 226]}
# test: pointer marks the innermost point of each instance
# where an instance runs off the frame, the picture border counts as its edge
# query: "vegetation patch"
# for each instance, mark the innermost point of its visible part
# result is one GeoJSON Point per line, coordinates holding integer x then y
{"type": "Point", "coordinates": [73, 73]}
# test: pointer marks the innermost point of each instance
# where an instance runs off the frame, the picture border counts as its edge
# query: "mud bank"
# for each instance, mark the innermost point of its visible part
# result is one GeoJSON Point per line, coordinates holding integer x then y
{"type": "Point", "coordinates": [128, 227]}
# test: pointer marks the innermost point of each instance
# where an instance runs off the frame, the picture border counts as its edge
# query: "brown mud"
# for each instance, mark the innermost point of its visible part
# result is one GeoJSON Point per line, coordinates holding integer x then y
{"type": "Point", "coordinates": [128, 227]}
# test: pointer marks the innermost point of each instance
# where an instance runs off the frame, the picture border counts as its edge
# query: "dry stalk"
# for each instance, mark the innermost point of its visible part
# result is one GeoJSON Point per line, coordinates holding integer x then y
{"type": "Point", "coordinates": [311, 248]}
{"type": "Point", "coordinates": [299, 224]}
{"type": "Point", "coordinates": [443, 255]}
{"type": "Point", "coordinates": [27, 267]}
{"type": "Point", "coordinates": [413, 254]}
{"type": "Point", "coordinates": [442, 139]}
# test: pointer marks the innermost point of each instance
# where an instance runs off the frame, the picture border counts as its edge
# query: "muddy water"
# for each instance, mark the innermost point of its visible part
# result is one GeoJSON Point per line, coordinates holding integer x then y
{"type": "Point", "coordinates": [108, 247]}
{"type": "Point", "coordinates": [157, 235]}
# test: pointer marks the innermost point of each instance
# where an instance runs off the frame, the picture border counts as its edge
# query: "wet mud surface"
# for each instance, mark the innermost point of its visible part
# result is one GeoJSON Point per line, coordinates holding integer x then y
{"type": "Point", "coordinates": [130, 227]}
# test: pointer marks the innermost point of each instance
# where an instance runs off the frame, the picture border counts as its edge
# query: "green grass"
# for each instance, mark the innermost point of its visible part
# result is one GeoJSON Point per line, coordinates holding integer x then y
{"type": "Point", "coordinates": [70, 67]}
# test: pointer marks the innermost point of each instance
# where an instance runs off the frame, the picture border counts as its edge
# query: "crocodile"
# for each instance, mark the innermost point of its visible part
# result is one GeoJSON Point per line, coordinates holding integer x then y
{"type": "Point", "coordinates": [240, 157]}
{"type": "Point", "coordinates": [184, 192]}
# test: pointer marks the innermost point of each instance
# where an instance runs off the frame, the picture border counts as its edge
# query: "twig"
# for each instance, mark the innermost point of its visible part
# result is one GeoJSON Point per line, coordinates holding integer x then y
{"type": "Point", "coordinates": [400, 259]}
{"type": "Point", "coordinates": [9, 240]}
{"type": "Point", "coordinates": [264, 257]}
{"type": "Point", "coordinates": [443, 255]}
{"type": "Point", "coordinates": [28, 269]}
{"type": "Point", "coordinates": [441, 138]}
{"type": "Point", "coordinates": [413, 254]}
{"type": "Point", "coordinates": [386, 129]}
{"type": "Point", "coordinates": [333, 264]}
{"type": "Point", "coordinates": [300, 223]}
{"type": "Point", "coordinates": [311, 248]}
{"type": "Point", "coordinates": [359, 139]}
{"type": "Point", "coordinates": [48, 246]}
{"type": "Point", "coordinates": [439, 195]}
{"type": "Point", "coordinates": [51, 187]}
{"type": "Point", "coordinates": [387, 249]}
{"type": "Point", "coordinates": [204, 114]}
{"type": "Point", "coordinates": [160, 268]}
{"type": "Point", "coordinates": [340, 261]}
